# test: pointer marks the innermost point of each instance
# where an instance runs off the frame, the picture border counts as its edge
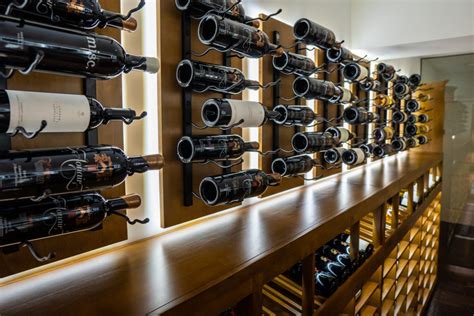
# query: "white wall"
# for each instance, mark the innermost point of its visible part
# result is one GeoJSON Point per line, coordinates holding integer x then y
{"type": "Point", "coordinates": [408, 66]}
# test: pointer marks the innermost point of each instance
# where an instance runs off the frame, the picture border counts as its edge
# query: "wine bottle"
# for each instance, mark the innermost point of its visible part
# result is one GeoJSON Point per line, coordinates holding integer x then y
{"type": "Point", "coordinates": [359, 115]}
{"type": "Point", "coordinates": [366, 249]}
{"type": "Point", "coordinates": [311, 33]}
{"type": "Point", "coordinates": [85, 15]}
{"type": "Point", "coordinates": [401, 79]}
{"type": "Point", "coordinates": [423, 97]}
{"type": "Point", "coordinates": [231, 9]}
{"type": "Point", "coordinates": [203, 77]}
{"type": "Point", "coordinates": [325, 283]}
{"type": "Point", "coordinates": [291, 63]}
{"type": "Point", "coordinates": [44, 48]}
{"type": "Point", "coordinates": [333, 156]}
{"type": "Point", "coordinates": [340, 244]}
{"type": "Point", "coordinates": [414, 81]}
{"type": "Point", "coordinates": [355, 72]}
{"type": "Point", "coordinates": [23, 220]}
{"type": "Point", "coordinates": [423, 139]}
{"type": "Point", "coordinates": [402, 91]}
{"type": "Point", "coordinates": [384, 101]}
{"type": "Point", "coordinates": [62, 112]}
{"type": "Point", "coordinates": [413, 142]}
{"type": "Point", "coordinates": [215, 147]}
{"type": "Point", "coordinates": [399, 117]}
{"type": "Point", "coordinates": [311, 142]}
{"type": "Point", "coordinates": [224, 34]}
{"type": "Point", "coordinates": [336, 269]}
{"type": "Point", "coordinates": [336, 255]}
{"type": "Point", "coordinates": [341, 133]}
{"type": "Point", "coordinates": [400, 144]}
{"type": "Point", "coordinates": [311, 88]}
{"type": "Point", "coordinates": [413, 105]}
{"type": "Point", "coordinates": [368, 149]}
{"type": "Point", "coordinates": [418, 118]}
{"type": "Point", "coordinates": [354, 156]}
{"type": "Point", "coordinates": [291, 166]}
{"type": "Point", "coordinates": [339, 55]}
{"type": "Point", "coordinates": [417, 128]}
{"type": "Point", "coordinates": [383, 150]}
{"type": "Point", "coordinates": [381, 134]}
{"type": "Point", "coordinates": [387, 72]}
{"type": "Point", "coordinates": [294, 115]}
{"type": "Point", "coordinates": [235, 187]}
{"type": "Point", "coordinates": [370, 84]}
{"type": "Point", "coordinates": [38, 172]}
{"type": "Point", "coordinates": [225, 113]}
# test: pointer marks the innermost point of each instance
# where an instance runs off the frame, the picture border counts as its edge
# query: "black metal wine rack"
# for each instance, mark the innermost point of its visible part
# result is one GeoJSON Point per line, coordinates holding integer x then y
{"type": "Point", "coordinates": [5, 139]}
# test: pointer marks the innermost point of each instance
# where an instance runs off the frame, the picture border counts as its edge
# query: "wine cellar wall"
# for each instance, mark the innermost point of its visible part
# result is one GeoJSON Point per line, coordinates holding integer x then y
{"type": "Point", "coordinates": [110, 94]}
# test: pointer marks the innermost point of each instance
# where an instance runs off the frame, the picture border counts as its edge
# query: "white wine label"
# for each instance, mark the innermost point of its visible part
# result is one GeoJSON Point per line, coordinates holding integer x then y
{"type": "Point", "coordinates": [62, 112]}
{"type": "Point", "coordinates": [346, 95]}
{"type": "Point", "coordinates": [252, 113]}
{"type": "Point", "coordinates": [360, 155]}
{"type": "Point", "coordinates": [364, 73]}
{"type": "Point", "coordinates": [345, 134]}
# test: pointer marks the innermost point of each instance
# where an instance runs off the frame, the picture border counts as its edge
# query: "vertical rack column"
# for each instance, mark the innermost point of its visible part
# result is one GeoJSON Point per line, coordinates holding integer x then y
{"type": "Point", "coordinates": [90, 90]}
{"type": "Point", "coordinates": [5, 140]}
{"type": "Point", "coordinates": [276, 100]}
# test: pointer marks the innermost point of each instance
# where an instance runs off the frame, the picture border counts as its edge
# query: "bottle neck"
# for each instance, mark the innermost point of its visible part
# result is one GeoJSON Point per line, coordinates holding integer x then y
{"type": "Point", "coordinates": [117, 114]}
{"type": "Point", "coordinates": [251, 84]}
{"type": "Point", "coordinates": [144, 163]}
{"type": "Point", "coordinates": [251, 146]}
{"type": "Point", "coordinates": [148, 64]}
{"type": "Point", "coordinates": [118, 21]}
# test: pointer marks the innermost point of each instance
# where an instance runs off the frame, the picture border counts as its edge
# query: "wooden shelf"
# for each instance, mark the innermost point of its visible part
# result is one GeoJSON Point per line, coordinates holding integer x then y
{"type": "Point", "coordinates": [387, 286]}
{"type": "Point", "coordinates": [402, 246]}
{"type": "Point", "coordinates": [368, 310]}
{"type": "Point", "coordinates": [399, 302]}
{"type": "Point", "coordinates": [368, 289]}
{"type": "Point", "coordinates": [401, 281]}
{"type": "Point", "coordinates": [387, 306]}
{"type": "Point", "coordinates": [388, 265]}
{"type": "Point", "coordinates": [177, 271]}
{"type": "Point", "coordinates": [402, 264]}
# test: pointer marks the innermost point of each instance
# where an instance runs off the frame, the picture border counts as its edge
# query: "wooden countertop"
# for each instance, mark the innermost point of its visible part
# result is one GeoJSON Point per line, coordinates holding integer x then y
{"type": "Point", "coordinates": [211, 263]}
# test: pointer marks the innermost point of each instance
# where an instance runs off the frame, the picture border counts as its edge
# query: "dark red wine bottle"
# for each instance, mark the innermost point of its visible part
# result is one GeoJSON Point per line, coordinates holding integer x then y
{"type": "Point", "coordinates": [203, 77]}
{"type": "Point", "coordinates": [359, 115]}
{"type": "Point", "coordinates": [63, 113]}
{"type": "Point", "coordinates": [383, 150]}
{"type": "Point", "coordinates": [229, 8]}
{"type": "Point", "coordinates": [294, 115]}
{"type": "Point", "coordinates": [235, 187]}
{"type": "Point", "coordinates": [215, 147]}
{"type": "Point", "coordinates": [291, 63]}
{"type": "Point", "coordinates": [26, 45]}
{"type": "Point", "coordinates": [311, 33]}
{"type": "Point", "coordinates": [311, 142]}
{"type": "Point", "coordinates": [83, 14]}
{"type": "Point", "coordinates": [291, 166]}
{"type": "Point", "coordinates": [226, 34]}
{"type": "Point", "coordinates": [39, 172]}
{"type": "Point", "coordinates": [311, 88]}
{"type": "Point", "coordinates": [339, 55]}
{"type": "Point", "coordinates": [23, 220]}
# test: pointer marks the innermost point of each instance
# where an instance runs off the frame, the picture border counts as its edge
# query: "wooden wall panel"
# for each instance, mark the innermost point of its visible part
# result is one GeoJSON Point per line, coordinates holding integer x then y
{"type": "Point", "coordinates": [266, 98]}
{"type": "Point", "coordinates": [109, 92]}
{"type": "Point", "coordinates": [170, 117]}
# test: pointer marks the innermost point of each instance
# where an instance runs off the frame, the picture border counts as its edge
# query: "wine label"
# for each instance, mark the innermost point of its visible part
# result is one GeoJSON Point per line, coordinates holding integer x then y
{"type": "Point", "coordinates": [346, 95]}
{"type": "Point", "coordinates": [62, 112]}
{"type": "Point", "coordinates": [345, 134]}
{"type": "Point", "coordinates": [360, 155]}
{"type": "Point", "coordinates": [252, 113]}
{"type": "Point", "coordinates": [364, 73]}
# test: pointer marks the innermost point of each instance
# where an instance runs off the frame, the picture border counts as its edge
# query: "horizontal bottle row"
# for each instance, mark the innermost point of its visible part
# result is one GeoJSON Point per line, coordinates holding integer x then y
{"type": "Point", "coordinates": [333, 264]}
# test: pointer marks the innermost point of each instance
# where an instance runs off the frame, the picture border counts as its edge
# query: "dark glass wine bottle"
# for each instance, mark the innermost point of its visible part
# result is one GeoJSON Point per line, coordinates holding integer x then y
{"type": "Point", "coordinates": [311, 88]}
{"type": "Point", "coordinates": [291, 63]}
{"type": "Point", "coordinates": [368, 148]}
{"type": "Point", "coordinates": [62, 112]}
{"type": "Point", "coordinates": [359, 115]}
{"type": "Point", "coordinates": [386, 72]}
{"type": "Point", "coordinates": [235, 187]}
{"type": "Point", "coordinates": [418, 118]}
{"type": "Point", "coordinates": [229, 8]}
{"type": "Point", "coordinates": [383, 133]}
{"type": "Point", "coordinates": [400, 117]}
{"type": "Point", "coordinates": [366, 249]}
{"type": "Point", "coordinates": [401, 79]}
{"type": "Point", "coordinates": [423, 139]}
{"type": "Point", "coordinates": [413, 105]}
{"type": "Point", "coordinates": [402, 91]}
{"type": "Point", "coordinates": [311, 142]}
{"type": "Point", "coordinates": [414, 81]}
{"type": "Point", "coordinates": [23, 220]}
{"type": "Point", "coordinates": [294, 115]}
{"type": "Point", "coordinates": [333, 156]}
{"type": "Point", "coordinates": [336, 269]}
{"type": "Point", "coordinates": [383, 150]}
{"type": "Point", "coordinates": [400, 144]}
{"type": "Point", "coordinates": [416, 129]}
{"type": "Point", "coordinates": [291, 166]}
{"type": "Point", "coordinates": [84, 14]}
{"type": "Point", "coordinates": [34, 173]}
{"type": "Point", "coordinates": [339, 55]}
{"type": "Point", "coordinates": [413, 142]}
{"type": "Point", "coordinates": [354, 156]}
{"type": "Point", "coordinates": [341, 133]}
{"type": "Point", "coordinates": [383, 101]}
{"type": "Point", "coordinates": [370, 84]}
{"type": "Point", "coordinates": [311, 33]}
{"type": "Point", "coordinates": [324, 282]}
{"type": "Point", "coordinates": [355, 72]}
{"type": "Point", "coordinates": [336, 255]}
{"type": "Point", "coordinates": [208, 77]}
{"type": "Point", "coordinates": [225, 113]}
{"type": "Point", "coordinates": [44, 48]}
{"type": "Point", "coordinates": [214, 147]}
{"type": "Point", "coordinates": [224, 34]}
{"type": "Point", "coordinates": [340, 244]}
